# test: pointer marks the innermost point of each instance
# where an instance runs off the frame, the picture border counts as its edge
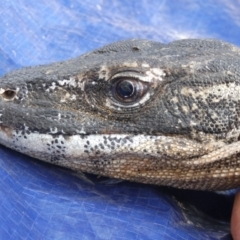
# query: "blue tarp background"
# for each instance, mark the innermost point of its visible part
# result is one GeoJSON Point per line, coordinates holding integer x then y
{"type": "Point", "coordinates": [42, 201]}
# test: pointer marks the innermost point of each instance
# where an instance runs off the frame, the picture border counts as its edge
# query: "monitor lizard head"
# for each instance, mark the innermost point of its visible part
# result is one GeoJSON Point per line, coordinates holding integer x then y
{"type": "Point", "coordinates": [156, 113]}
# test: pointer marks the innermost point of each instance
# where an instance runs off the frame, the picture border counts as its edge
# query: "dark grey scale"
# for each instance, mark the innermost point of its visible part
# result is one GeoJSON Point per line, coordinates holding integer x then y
{"type": "Point", "coordinates": [49, 146]}
{"type": "Point", "coordinates": [102, 146]}
{"type": "Point", "coordinates": [118, 140]}
{"type": "Point", "coordinates": [222, 122]}
{"type": "Point", "coordinates": [57, 149]}
{"type": "Point", "coordinates": [54, 159]}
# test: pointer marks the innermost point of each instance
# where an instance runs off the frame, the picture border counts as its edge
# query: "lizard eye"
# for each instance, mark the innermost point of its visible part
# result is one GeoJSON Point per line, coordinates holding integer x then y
{"type": "Point", "coordinates": [128, 90]}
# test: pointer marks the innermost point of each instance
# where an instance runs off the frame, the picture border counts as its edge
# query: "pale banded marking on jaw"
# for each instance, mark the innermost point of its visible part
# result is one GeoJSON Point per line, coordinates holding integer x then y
{"type": "Point", "coordinates": [84, 146]}
{"type": "Point", "coordinates": [129, 157]}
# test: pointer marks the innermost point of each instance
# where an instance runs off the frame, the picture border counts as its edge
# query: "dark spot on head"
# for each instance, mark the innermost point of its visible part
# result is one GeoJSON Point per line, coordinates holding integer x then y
{"type": "Point", "coordinates": [135, 48]}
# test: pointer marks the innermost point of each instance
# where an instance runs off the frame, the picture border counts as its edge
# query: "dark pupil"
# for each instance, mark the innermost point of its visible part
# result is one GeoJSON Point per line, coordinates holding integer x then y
{"type": "Point", "coordinates": [125, 89]}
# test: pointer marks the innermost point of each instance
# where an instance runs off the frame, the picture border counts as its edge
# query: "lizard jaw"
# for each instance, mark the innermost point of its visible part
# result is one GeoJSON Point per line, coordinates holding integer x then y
{"type": "Point", "coordinates": [161, 160]}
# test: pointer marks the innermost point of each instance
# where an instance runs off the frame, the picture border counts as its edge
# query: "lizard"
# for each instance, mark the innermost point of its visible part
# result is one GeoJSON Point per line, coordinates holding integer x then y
{"type": "Point", "coordinates": [144, 111]}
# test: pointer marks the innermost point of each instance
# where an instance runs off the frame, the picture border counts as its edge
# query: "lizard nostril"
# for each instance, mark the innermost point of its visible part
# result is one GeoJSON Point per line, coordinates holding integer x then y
{"type": "Point", "coordinates": [9, 94]}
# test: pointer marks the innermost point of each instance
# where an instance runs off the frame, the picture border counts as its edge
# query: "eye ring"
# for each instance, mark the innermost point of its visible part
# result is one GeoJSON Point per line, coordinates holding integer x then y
{"type": "Point", "coordinates": [128, 90]}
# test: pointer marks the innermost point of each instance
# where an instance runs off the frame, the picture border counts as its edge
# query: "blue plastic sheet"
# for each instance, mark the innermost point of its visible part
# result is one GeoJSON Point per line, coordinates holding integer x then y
{"type": "Point", "coordinates": [43, 201]}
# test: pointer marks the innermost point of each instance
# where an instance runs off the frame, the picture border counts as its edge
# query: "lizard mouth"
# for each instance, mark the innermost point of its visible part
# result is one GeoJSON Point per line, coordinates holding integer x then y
{"type": "Point", "coordinates": [167, 160]}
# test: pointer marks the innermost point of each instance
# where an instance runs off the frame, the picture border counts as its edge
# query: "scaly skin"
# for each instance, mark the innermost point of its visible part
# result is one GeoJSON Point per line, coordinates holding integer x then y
{"type": "Point", "coordinates": [165, 114]}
